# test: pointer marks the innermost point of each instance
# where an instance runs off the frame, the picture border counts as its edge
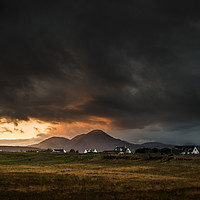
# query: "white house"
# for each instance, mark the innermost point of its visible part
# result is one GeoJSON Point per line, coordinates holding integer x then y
{"type": "Point", "coordinates": [90, 151]}
{"type": "Point", "coordinates": [59, 151]}
{"type": "Point", "coordinates": [121, 150]}
{"type": "Point", "coordinates": [184, 150]}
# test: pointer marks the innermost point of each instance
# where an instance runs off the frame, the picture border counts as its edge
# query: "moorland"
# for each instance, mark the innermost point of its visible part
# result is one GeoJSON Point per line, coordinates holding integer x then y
{"type": "Point", "coordinates": [47, 175]}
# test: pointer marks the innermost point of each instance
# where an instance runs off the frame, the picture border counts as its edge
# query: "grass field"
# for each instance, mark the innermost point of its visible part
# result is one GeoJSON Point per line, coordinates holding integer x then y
{"type": "Point", "coordinates": [97, 176]}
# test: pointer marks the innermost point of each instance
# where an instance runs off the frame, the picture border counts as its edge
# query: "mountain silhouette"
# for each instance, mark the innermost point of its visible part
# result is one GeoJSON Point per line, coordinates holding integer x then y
{"type": "Point", "coordinates": [96, 139]}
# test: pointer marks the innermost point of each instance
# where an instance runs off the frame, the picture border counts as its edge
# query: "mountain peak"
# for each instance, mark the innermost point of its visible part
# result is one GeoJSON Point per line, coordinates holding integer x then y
{"type": "Point", "coordinates": [96, 131]}
{"type": "Point", "coordinates": [95, 139]}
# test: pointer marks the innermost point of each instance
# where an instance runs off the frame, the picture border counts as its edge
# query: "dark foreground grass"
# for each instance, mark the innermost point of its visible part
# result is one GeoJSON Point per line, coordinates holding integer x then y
{"type": "Point", "coordinates": [96, 176]}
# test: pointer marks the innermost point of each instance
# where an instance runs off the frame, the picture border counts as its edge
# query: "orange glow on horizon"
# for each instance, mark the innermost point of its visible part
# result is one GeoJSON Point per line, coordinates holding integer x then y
{"type": "Point", "coordinates": [23, 130]}
{"type": "Point", "coordinates": [39, 129]}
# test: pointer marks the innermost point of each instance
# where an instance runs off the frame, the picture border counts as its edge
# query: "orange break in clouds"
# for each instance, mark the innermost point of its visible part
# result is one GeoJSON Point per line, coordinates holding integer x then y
{"type": "Point", "coordinates": [82, 100]}
{"type": "Point", "coordinates": [39, 129]}
{"type": "Point", "coordinates": [23, 129]}
{"type": "Point", "coordinates": [70, 130]}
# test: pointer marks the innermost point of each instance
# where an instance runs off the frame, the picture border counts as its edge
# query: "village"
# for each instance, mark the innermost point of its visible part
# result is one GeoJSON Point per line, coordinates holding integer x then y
{"type": "Point", "coordinates": [176, 150]}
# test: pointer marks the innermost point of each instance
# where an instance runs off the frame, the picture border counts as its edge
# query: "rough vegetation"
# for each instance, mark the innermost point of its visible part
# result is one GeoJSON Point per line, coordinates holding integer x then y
{"type": "Point", "coordinates": [47, 175]}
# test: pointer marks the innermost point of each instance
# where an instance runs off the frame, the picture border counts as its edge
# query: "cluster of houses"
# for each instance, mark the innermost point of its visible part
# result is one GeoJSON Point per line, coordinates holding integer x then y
{"type": "Point", "coordinates": [182, 150]}
{"type": "Point", "coordinates": [176, 150]}
{"type": "Point", "coordinates": [90, 151]}
{"type": "Point", "coordinates": [185, 150]}
{"type": "Point", "coordinates": [117, 150]}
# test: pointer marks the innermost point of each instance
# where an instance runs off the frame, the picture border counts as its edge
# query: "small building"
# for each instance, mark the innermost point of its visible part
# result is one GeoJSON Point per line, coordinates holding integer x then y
{"type": "Point", "coordinates": [59, 151]}
{"type": "Point", "coordinates": [122, 150]}
{"type": "Point", "coordinates": [185, 150]}
{"type": "Point", "coordinates": [90, 151]}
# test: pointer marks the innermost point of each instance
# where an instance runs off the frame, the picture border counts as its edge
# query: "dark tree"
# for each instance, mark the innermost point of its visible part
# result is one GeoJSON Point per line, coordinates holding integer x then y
{"type": "Point", "coordinates": [141, 150]}
{"type": "Point", "coordinates": [165, 151]}
{"type": "Point", "coordinates": [154, 150]}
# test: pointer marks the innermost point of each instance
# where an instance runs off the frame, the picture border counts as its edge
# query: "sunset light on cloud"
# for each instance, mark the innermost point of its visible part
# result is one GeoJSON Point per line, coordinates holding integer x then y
{"type": "Point", "coordinates": [70, 67]}
{"type": "Point", "coordinates": [38, 130]}
{"type": "Point", "coordinates": [99, 100]}
{"type": "Point", "coordinates": [70, 130]}
{"type": "Point", "coordinates": [24, 129]}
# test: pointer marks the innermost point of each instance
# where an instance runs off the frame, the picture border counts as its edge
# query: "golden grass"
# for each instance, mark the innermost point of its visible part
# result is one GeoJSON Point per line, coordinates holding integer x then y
{"type": "Point", "coordinates": [141, 179]}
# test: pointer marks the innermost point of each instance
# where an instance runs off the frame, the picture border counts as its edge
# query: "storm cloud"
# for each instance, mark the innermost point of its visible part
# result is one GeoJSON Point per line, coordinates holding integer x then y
{"type": "Point", "coordinates": [135, 63]}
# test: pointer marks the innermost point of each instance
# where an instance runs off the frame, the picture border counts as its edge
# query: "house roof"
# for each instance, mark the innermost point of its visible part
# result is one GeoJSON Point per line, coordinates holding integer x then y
{"type": "Point", "coordinates": [91, 150]}
{"type": "Point", "coordinates": [58, 149]}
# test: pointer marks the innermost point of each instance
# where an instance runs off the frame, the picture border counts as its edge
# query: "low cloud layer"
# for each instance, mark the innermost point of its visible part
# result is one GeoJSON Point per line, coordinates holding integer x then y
{"type": "Point", "coordinates": [134, 63]}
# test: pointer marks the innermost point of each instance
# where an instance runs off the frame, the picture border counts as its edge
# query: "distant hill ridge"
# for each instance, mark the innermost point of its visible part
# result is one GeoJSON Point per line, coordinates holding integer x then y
{"type": "Point", "coordinates": [96, 139]}
{"type": "Point", "coordinates": [18, 148]}
{"type": "Point", "coordinates": [158, 145]}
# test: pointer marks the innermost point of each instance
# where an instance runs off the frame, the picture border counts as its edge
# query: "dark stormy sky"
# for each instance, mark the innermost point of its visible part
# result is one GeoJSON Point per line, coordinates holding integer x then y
{"type": "Point", "coordinates": [130, 67]}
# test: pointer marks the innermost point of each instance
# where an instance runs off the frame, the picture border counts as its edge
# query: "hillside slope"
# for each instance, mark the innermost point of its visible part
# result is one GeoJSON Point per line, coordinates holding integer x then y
{"type": "Point", "coordinates": [53, 143]}
{"type": "Point", "coordinates": [96, 139]}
